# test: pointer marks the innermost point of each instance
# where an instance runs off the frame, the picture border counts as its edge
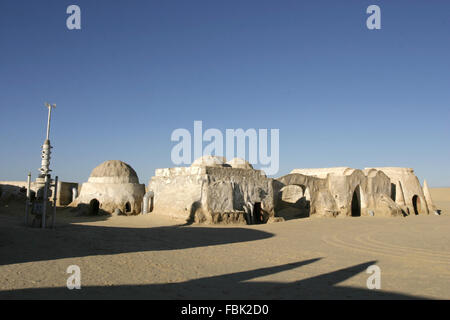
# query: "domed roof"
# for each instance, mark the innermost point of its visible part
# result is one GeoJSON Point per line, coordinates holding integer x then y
{"type": "Point", "coordinates": [240, 163]}
{"type": "Point", "coordinates": [113, 171]}
{"type": "Point", "coordinates": [209, 161]}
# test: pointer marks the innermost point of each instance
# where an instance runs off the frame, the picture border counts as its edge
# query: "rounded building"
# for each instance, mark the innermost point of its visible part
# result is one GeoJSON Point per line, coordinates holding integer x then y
{"type": "Point", "coordinates": [112, 185]}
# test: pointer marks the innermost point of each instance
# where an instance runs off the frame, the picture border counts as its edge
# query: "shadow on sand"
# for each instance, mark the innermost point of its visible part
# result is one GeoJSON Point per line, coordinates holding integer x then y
{"type": "Point", "coordinates": [19, 244]}
{"type": "Point", "coordinates": [227, 286]}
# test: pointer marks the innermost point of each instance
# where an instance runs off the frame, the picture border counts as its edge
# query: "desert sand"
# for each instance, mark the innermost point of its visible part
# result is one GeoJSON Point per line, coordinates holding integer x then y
{"type": "Point", "coordinates": [154, 257]}
{"type": "Point", "coordinates": [441, 198]}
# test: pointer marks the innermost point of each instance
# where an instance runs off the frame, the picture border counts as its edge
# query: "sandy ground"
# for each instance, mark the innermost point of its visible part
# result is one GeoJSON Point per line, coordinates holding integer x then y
{"type": "Point", "coordinates": [441, 198]}
{"type": "Point", "coordinates": [151, 257]}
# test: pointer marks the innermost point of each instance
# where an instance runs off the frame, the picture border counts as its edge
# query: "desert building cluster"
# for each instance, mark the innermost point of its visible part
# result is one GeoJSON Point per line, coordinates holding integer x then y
{"type": "Point", "coordinates": [214, 190]}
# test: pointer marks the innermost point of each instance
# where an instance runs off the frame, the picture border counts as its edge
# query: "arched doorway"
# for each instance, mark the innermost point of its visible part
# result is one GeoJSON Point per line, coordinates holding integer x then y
{"type": "Point", "coordinates": [393, 191]}
{"type": "Point", "coordinates": [257, 213]}
{"type": "Point", "coordinates": [416, 204]}
{"type": "Point", "coordinates": [356, 202]}
{"type": "Point", "coordinates": [291, 195]}
{"type": "Point", "coordinates": [294, 201]}
{"type": "Point", "coordinates": [94, 207]}
{"type": "Point", "coordinates": [127, 207]}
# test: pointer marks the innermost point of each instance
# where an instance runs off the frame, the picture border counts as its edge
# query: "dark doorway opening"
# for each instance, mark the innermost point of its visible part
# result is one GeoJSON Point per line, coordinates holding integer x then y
{"type": "Point", "coordinates": [127, 207]}
{"type": "Point", "coordinates": [94, 207]}
{"type": "Point", "coordinates": [69, 196]}
{"type": "Point", "coordinates": [356, 203]}
{"type": "Point", "coordinates": [257, 214]}
{"type": "Point", "coordinates": [393, 191]}
{"type": "Point", "coordinates": [416, 204]}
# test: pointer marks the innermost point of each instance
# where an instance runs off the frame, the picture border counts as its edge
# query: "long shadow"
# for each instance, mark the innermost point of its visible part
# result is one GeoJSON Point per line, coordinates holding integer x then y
{"type": "Point", "coordinates": [20, 244]}
{"type": "Point", "coordinates": [228, 286]}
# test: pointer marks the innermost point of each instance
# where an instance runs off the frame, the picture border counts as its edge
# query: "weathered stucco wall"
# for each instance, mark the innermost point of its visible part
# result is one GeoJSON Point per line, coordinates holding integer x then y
{"type": "Point", "coordinates": [229, 190]}
{"type": "Point", "coordinates": [342, 192]}
{"type": "Point", "coordinates": [322, 172]}
{"type": "Point", "coordinates": [405, 181]}
{"type": "Point", "coordinates": [211, 194]}
{"type": "Point", "coordinates": [113, 196]}
{"type": "Point", "coordinates": [64, 192]}
{"type": "Point", "coordinates": [321, 200]}
{"type": "Point", "coordinates": [178, 191]}
{"type": "Point", "coordinates": [343, 187]}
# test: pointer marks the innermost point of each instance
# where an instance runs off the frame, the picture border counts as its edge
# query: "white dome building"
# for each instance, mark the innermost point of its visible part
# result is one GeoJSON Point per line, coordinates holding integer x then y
{"type": "Point", "coordinates": [112, 185]}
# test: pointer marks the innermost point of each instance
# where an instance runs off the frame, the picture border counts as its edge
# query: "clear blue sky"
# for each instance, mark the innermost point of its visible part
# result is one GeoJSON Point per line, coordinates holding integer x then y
{"type": "Point", "coordinates": [340, 94]}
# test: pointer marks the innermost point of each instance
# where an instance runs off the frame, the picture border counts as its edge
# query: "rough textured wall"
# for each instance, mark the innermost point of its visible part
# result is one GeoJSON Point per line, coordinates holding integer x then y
{"type": "Point", "coordinates": [321, 201]}
{"type": "Point", "coordinates": [378, 195]}
{"type": "Point", "coordinates": [322, 172]}
{"type": "Point", "coordinates": [211, 194]}
{"type": "Point", "coordinates": [342, 188]}
{"type": "Point", "coordinates": [334, 194]}
{"type": "Point", "coordinates": [229, 190]}
{"type": "Point", "coordinates": [405, 180]}
{"type": "Point", "coordinates": [291, 195]}
{"type": "Point", "coordinates": [64, 193]}
{"type": "Point", "coordinates": [13, 191]}
{"type": "Point", "coordinates": [112, 196]}
{"type": "Point", "coordinates": [178, 191]}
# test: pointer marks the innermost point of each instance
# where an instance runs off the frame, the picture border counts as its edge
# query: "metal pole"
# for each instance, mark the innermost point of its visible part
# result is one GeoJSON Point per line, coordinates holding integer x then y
{"type": "Point", "coordinates": [27, 204]}
{"type": "Point", "coordinates": [54, 201]}
{"type": "Point", "coordinates": [48, 122]}
{"type": "Point", "coordinates": [44, 208]}
{"type": "Point", "coordinates": [49, 106]}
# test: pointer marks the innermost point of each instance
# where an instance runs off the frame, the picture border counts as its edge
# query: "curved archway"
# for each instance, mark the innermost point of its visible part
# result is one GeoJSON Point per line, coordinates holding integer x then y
{"type": "Point", "coordinates": [94, 207]}
{"type": "Point", "coordinates": [127, 207]}
{"type": "Point", "coordinates": [291, 194]}
{"type": "Point", "coordinates": [416, 204]}
{"type": "Point", "coordinates": [305, 201]}
{"type": "Point", "coordinates": [257, 213]}
{"type": "Point", "coordinates": [393, 191]}
{"type": "Point", "coordinates": [294, 201]}
{"type": "Point", "coordinates": [356, 202]}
